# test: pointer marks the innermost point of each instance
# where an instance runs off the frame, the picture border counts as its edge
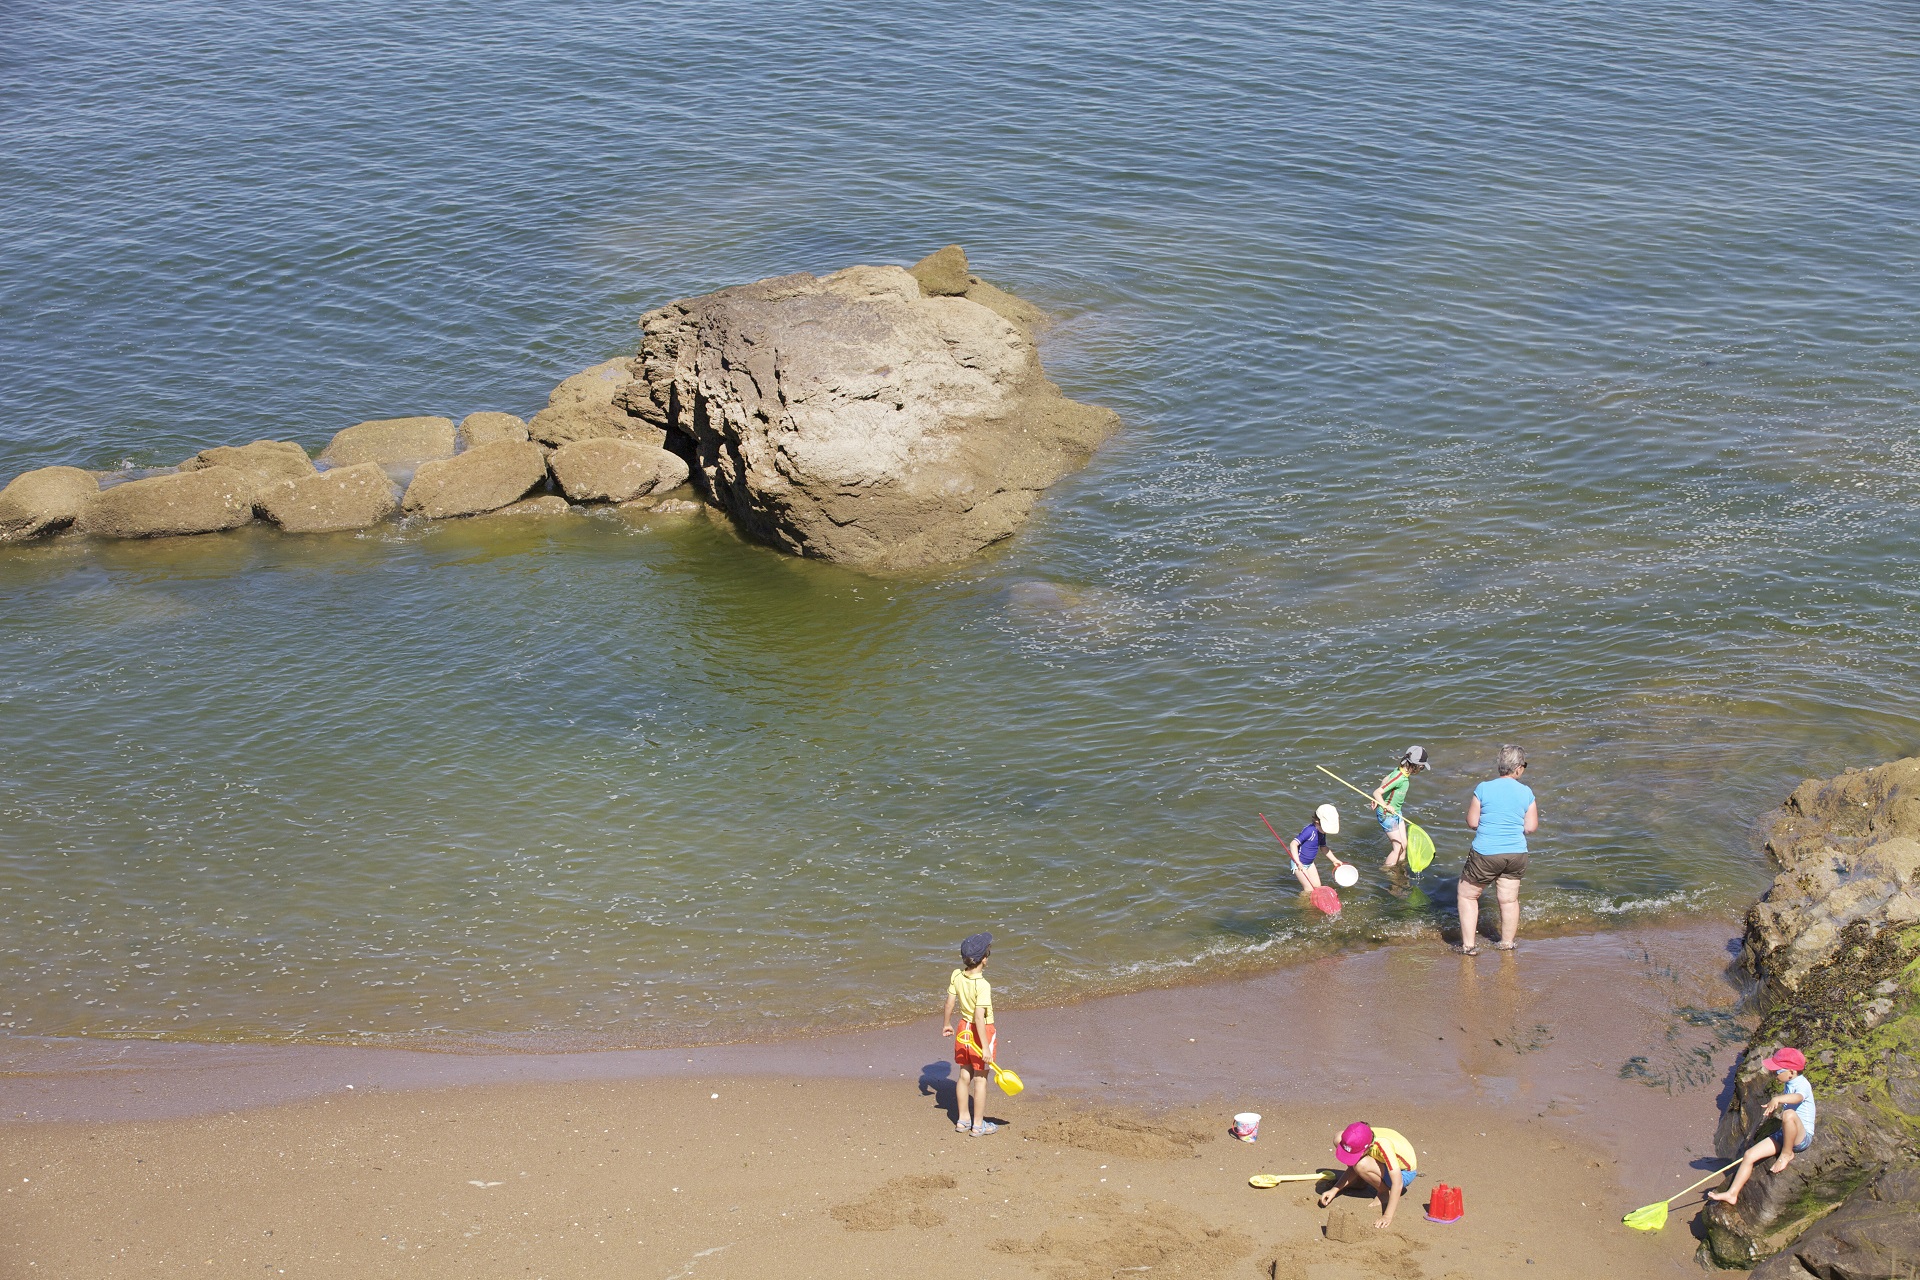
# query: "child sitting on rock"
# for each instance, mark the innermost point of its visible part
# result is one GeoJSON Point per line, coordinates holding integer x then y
{"type": "Point", "coordinates": [1796, 1123]}
{"type": "Point", "coordinates": [1381, 1158]}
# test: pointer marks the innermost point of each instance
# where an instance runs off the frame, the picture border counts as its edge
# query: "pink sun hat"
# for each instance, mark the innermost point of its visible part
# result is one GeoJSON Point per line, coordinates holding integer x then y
{"type": "Point", "coordinates": [1353, 1144]}
{"type": "Point", "coordinates": [1785, 1060]}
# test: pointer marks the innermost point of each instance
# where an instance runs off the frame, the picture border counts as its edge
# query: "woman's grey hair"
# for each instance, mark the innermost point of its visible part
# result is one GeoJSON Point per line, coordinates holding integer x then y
{"type": "Point", "coordinates": [1512, 760]}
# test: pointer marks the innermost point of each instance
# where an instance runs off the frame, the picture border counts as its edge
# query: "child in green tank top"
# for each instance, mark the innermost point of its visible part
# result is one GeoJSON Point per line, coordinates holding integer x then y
{"type": "Point", "coordinates": [1389, 802]}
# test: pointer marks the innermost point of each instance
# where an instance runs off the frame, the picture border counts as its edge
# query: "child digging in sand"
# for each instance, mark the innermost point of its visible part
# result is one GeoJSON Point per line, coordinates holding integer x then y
{"type": "Point", "coordinates": [1796, 1123]}
{"type": "Point", "coordinates": [973, 1044]}
{"type": "Point", "coordinates": [1381, 1158]}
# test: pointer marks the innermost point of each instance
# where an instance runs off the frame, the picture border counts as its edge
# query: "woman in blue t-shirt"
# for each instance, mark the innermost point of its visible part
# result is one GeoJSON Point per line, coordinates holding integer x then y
{"type": "Point", "coordinates": [1502, 814]}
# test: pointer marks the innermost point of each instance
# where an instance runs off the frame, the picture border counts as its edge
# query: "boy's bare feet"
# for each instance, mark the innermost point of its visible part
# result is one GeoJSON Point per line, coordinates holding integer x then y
{"type": "Point", "coordinates": [1721, 1196]}
{"type": "Point", "coordinates": [1780, 1165]}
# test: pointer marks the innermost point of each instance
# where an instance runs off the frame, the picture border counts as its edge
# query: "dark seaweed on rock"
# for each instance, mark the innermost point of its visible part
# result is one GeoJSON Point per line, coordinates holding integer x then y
{"type": "Point", "coordinates": [1835, 950]}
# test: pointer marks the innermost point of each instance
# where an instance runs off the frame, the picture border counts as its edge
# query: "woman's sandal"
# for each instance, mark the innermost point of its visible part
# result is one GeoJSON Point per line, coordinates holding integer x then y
{"type": "Point", "coordinates": [1466, 951]}
{"type": "Point", "coordinates": [1506, 946]}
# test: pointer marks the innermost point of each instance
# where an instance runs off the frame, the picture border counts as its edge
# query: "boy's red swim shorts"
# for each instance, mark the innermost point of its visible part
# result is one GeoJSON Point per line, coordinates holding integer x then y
{"type": "Point", "coordinates": [967, 1053]}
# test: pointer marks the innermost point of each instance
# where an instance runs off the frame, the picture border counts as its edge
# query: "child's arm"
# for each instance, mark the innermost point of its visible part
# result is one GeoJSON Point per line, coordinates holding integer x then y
{"type": "Point", "coordinates": [1293, 851]}
{"type": "Point", "coordinates": [1393, 1195]}
{"type": "Point", "coordinates": [1379, 792]}
{"type": "Point", "coordinates": [1784, 1100]}
{"type": "Point", "coordinates": [948, 1029]}
{"type": "Point", "coordinates": [980, 1036]}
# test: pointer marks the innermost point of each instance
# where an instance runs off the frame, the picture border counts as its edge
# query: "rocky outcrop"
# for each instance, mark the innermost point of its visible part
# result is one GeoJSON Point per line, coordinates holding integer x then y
{"type": "Point", "coordinates": [391, 441]}
{"type": "Point", "coordinates": [614, 469]}
{"type": "Point", "coordinates": [1834, 948]}
{"type": "Point", "coordinates": [269, 462]}
{"type": "Point", "coordinates": [204, 501]}
{"type": "Point", "coordinates": [869, 417]}
{"type": "Point", "coordinates": [547, 504]}
{"type": "Point", "coordinates": [37, 502]}
{"type": "Point", "coordinates": [488, 427]}
{"type": "Point", "coordinates": [481, 479]}
{"type": "Point", "coordinates": [332, 501]}
{"type": "Point", "coordinates": [587, 406]}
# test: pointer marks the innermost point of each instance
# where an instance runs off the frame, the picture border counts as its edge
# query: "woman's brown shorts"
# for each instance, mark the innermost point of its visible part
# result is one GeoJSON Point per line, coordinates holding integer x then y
{"type": "Point", "coordinates": [1482, 870]}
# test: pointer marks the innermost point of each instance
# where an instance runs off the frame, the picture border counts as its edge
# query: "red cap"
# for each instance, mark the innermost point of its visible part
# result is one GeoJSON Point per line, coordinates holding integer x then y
{"type": "Point", "coordinates": [1353, 1144]}
{"type": "Point", "coordinates": [1786, 1060]}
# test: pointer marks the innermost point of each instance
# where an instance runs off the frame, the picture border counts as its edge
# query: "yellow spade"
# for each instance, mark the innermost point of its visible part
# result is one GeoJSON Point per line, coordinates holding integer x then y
{"type": "Point", "coordinates": [1265, 1180]}
{"type": "Point", "coordinates": [1009, 1081]}
{"type": "Point", "coordinates": [1654, 1216]}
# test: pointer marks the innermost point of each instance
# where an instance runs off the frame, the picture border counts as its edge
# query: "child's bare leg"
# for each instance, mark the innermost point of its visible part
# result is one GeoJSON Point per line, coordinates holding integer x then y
{"type": "Point", "coordinates": [1370, 1172]}
{"type": "Point", "coordinates": [1755, 1154]}
{"type": "Point", "coordinates": [961, 1097]}
{"type": "Point", "coordinates": [1309, 876]}
{"type": "Point", "coordinates": [1396, 844]}
{"type": "Point", "coordinates": [980, 1099]}
{"type": "Point", "coordinates": [1791, 1133]}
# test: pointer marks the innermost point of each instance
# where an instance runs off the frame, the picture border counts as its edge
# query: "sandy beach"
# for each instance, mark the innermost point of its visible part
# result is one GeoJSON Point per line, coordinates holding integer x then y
{"type": "Point", "coordinates": [1558, 1087]}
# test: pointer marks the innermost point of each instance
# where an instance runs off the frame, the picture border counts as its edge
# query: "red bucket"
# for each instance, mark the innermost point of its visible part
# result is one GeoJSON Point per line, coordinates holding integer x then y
{"type": "Point", "coordinates": [1446, 1205]}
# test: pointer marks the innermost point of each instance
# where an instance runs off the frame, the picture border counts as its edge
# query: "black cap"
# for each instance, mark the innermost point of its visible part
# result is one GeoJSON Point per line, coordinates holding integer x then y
{"type": "Point", "coordinates": [1417, 757]}
{"type": "Point", "coordinates": [976, 948]}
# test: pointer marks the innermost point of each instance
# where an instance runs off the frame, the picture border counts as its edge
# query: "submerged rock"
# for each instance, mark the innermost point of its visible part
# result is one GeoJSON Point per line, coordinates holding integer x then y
{"type": "Point", "coordinates": [40, 501]}
{"type": "Point", "coordinates": [614, 469]}
{"type": "Point", "coordinates": [1835, 949]}
{"type": "Point", "coordinates": [481, 479]}
{"type": "Point", "coordinates": [332, 501]}
{"type": "Point", "coordinates": [547, 504]}
{"type": "Point", "coordinates": [203, 501]}
{"type": "Point", "coordinates": [488, 427]}
{"type": "Point", "coordinates": [391, 440]}
{"type": "Point", "coordinates": [864, 417]}
{"type": "Point", "coordinates": [586, 406]}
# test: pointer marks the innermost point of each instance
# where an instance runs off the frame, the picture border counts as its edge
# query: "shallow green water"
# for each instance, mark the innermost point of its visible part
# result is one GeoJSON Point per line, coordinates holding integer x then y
{"type": "Point", "coordinates": [1489, 374]}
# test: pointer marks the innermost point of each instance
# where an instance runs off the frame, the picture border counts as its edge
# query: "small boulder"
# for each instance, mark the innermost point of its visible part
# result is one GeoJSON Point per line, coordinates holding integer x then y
{"type": "Point", "coordinates": [38, 502]}
{"type": "Point", "coordinates": [488, 427]}
{"type": "Point", "coordinates": [547, 504]}
{"type": "Point", "coordinates": [391, 440]}
{"type": "Point", "coordinates": [204, 501]}
{"type": "Point", "coordinates": [583, 408]}
{"type": "Point", "coordinates": [943, 274]}
{"type": "Point", "coordinates": [481, 479]}
{"type": "Point", "coordinates": [614, 469]}
{"type": "Point", "coordinates": [330, 501]}
{"type": "Point", "coordinates": [269, 462]}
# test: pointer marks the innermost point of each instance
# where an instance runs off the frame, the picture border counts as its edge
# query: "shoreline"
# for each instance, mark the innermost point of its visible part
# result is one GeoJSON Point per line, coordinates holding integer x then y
{"type": "Point", "coordinates": [1560, 1086]}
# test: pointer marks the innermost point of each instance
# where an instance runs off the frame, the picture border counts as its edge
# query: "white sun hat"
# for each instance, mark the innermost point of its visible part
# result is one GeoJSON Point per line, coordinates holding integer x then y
{"type": "Point", "coordinates": [1329, 819]}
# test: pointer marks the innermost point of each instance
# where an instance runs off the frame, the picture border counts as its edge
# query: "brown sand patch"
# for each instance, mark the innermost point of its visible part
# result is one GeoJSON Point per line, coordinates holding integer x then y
{"type": "Point", "coordinates": [1171, 1137]}
{"type": "Point", "coordinates": [904, 1201]}
{"type": "Point", "coordinates": [1110, 1237]}
{"type": "Point", "coordinates": [1384, 1254]}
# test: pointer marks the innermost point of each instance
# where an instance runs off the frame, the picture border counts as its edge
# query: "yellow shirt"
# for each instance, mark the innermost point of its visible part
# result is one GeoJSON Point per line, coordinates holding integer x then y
{"type": "Point", "coordinates": [970, 991]}
{"type": "Point", "coordinates": [1392, 1150]}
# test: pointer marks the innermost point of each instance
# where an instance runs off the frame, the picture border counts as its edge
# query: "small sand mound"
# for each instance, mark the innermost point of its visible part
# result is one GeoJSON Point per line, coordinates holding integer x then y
{"type": "Point", "coordinates": [1112, 1238]}
{"type": "Point", "coordinates": [1167, 1138]}
{"type": "Point", "coordinates": [904, 1201]}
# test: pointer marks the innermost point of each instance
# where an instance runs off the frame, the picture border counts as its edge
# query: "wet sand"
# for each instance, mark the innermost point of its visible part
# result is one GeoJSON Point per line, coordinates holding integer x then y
{"type": "Point", "coordinates": [1559, 1087]}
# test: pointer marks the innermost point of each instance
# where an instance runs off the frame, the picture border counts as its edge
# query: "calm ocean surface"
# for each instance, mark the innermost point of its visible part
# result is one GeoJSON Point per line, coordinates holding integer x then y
{"type": "Point", "coordinates": [1535, 372]}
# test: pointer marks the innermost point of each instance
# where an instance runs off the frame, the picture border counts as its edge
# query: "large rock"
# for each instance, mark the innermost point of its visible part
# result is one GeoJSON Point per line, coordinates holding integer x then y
{"type": "Point", "coordinates": [269, 462]}
{"type": "Point", "coordinates": [330, 501]}
{"type": "Point", "coordinates": [587, 406]}
{"type": "Point", "coordinates": [614, 469]}
{"type": "Point", "coordinates": [1834, 948]}
{"type": "Point", "coordinates": [203, 501]}
{"type": "Point", "coordinates": [854, 418]}
{"type": "Point", "coordinates": [391, 440]}
{"type": "Point", "coordinates": [37, 502]}
{"type": "Point", "coordinates": [481, 479]}
{"type": "Point", "coordinates": [488, 427]}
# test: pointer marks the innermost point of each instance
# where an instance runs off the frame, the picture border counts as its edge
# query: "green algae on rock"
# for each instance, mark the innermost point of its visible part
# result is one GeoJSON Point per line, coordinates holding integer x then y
{"type": "Point", "coordinates": [1835, 949]}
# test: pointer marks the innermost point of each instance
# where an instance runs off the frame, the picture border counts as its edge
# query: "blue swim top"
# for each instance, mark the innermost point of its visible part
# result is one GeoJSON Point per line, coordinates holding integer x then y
{"type": "Point", "coordinates": [1503, 816]}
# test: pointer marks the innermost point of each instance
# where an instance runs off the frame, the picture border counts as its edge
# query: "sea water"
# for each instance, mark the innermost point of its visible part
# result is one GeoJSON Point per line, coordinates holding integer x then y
{"type": "Point", "coordinates": [1498, 372]}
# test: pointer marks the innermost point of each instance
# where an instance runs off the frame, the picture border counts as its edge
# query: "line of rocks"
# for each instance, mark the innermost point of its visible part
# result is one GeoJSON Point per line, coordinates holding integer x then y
{"type": "Point", "coordinates": [581, 446]}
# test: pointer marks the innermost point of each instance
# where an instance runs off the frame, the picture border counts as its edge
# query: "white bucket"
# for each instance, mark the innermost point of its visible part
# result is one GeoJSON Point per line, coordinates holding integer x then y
{"type": "Point", "coordinates": [1246, 1126]}
{"type": "Point", "coordinates": [1346, 875]}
